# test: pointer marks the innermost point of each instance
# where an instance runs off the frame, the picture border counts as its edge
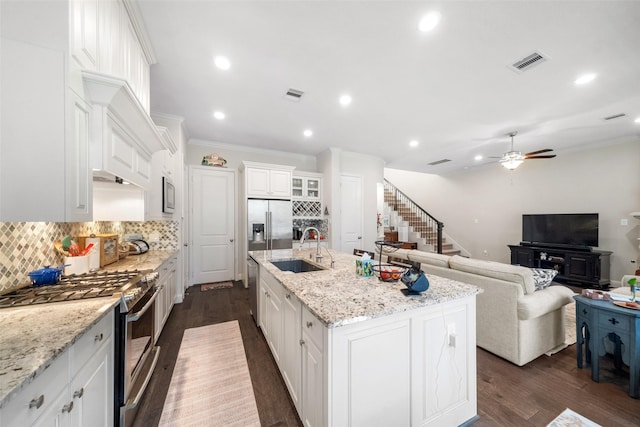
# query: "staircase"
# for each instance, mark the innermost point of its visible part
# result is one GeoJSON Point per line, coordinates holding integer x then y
{"type": "Point", "coordinates": [424, 229]}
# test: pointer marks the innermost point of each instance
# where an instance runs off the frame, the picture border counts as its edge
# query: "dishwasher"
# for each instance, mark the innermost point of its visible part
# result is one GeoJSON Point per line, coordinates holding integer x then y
{"type": "Point", "coordinates": [252, 282]}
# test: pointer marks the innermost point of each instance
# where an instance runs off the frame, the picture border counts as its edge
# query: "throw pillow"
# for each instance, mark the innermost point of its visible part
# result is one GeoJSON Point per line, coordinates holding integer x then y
{"type": "Point", "coordinates": [542, 277]}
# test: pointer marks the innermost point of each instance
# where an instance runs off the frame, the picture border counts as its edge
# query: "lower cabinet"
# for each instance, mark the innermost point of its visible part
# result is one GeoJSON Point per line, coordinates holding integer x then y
{"type": "Point", "coordinates": [75, 390]}
{"type": "Point", "coordinates": [167, 282]}
{"type": "Point", "coordinates": [291, 354]}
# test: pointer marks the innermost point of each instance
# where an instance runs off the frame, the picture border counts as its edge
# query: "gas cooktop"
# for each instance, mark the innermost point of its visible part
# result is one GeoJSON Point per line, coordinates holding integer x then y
{"type": "Point", "coordinates": [127, 284]}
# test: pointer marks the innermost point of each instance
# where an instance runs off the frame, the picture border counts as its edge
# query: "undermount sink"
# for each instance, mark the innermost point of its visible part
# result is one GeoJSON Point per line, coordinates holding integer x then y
{"type": "Point", "coordinates": [297, 265]}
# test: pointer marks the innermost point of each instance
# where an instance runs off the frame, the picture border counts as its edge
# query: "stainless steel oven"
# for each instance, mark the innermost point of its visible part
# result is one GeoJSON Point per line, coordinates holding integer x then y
{"type": "Point", "coordinates": [137, 356]}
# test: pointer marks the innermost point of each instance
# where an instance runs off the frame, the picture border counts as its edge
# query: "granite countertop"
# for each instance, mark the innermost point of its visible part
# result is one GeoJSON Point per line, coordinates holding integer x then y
{"type": "Point", "coordinates": [337, 296]}
{"type": "Point", "coordinates": [32, 337]}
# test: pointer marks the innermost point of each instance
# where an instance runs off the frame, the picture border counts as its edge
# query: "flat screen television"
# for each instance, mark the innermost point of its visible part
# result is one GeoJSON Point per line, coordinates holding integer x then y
{"type": "Point", "coordinates": [563, 230]}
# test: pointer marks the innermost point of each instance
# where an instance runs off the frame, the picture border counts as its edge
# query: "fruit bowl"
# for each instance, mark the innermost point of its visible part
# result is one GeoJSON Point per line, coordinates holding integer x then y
{"type": "Point", "coordinates": [388, 272]}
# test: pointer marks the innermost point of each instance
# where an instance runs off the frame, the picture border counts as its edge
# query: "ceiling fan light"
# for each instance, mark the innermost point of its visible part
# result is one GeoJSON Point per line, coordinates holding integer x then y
{"type": "Point", "coordinates": [511, 164]}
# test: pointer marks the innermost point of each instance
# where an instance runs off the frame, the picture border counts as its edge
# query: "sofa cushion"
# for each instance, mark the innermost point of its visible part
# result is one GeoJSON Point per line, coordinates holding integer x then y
{"type": "Point", "coordinates": [544, 301]}
{"type": "Point", "coordinates": [496, 270]}
{"type": "Point", "coordinates": [542, 277]}
{"type": "Point", "coordinates": [431, 258]}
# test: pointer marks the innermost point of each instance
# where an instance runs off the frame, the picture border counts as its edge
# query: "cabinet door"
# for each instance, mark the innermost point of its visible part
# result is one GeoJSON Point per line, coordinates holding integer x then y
{"type": "Point", "coordinates": [522, 256]}
{"type": "Point", "coordinates": [274, 324]}
{"type": "Point", "coordinates": [312, 189]}
{"type": "Point", "coordinates": [280, 183]}
{"type": "Point", "coordinates": [297, 187]}
{"type": "Point", "coordinates": [92, 390]}
{"type": "Point", "coordinates": [79, 195]}
{"type": "Point", "coordinates": [291, 350]}
{"type": "Point", "coordinates": [257, 182]}
{"type": "Point", "coordinates": [84, 34]}
{"type": "Point", "coordinates": [57, 413]}
{"type": "Point", "coordinates": [312, 383]}
{"type": "Point", "coordinates": [580, 267]}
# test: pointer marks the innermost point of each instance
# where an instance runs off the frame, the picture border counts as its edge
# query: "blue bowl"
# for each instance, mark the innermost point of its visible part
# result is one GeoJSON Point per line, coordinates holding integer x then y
{"type": "Point", "coordinates": [416, 286]}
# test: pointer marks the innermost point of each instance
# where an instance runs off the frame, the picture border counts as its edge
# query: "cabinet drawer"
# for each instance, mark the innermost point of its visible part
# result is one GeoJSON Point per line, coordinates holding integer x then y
{"type": "Point", "coordinates": [41, 393]}
{"type": "Point", "coordinates": [584, 312]}
{"type": "Point", "coordinates": [91, 341]}
{"type": "Point", "coordinates": [312, 327]}
{"type": "Point", "coordinates": [613, 322]}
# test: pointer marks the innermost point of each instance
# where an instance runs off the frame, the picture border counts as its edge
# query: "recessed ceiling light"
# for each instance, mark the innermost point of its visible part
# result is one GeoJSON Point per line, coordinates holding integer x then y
{"type": "Point", "coordinates": [222, 62]}
{"type": "Point", "coordinates": [585, 78]}
{"type": "Point", "coordinates": [307, 133]}
{"type": "Point", "coordinates": [637, 120]}
{"type": "Point", "coordinates": [413, 143]}
{"type": "Point", "coordinates": [478, 157]}
{"type": "Point", "coordinates": [219, 115]}
{"type": "Point", "coordinates": [345, 100]}
{"type": "Point", "coordinates": [429, 21]}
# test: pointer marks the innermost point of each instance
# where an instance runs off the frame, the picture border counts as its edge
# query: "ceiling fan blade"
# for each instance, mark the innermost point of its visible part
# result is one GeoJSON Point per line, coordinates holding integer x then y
{"type": "Point", "coordinates": [540, 157]}
{"type": "Point", "coordinates": [546, 150]}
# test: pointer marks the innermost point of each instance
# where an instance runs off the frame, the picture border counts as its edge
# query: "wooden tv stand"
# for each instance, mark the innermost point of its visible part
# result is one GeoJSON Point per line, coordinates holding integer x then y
{"type": "Point", "coordinates": [584, 268]}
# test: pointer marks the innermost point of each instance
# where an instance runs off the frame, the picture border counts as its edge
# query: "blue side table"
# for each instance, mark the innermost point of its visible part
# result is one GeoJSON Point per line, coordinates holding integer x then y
{"type": "Point", "coordinates": [595, 320]}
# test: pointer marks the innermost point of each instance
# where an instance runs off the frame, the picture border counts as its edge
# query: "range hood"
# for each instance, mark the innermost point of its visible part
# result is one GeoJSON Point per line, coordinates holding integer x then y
{"type": "Point", "coordinates": [123, 137]}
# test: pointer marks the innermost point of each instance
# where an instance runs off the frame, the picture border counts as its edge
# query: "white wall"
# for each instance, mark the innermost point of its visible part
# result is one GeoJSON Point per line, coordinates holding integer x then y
{"type": "Point", "coordinates": [482, 208]}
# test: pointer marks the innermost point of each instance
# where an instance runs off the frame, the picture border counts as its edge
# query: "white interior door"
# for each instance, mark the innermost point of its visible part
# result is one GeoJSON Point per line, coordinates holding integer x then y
{"type": "Point", "coordinates": [212, 221]}
{"type": "Point", "coordinates": [350, 213]}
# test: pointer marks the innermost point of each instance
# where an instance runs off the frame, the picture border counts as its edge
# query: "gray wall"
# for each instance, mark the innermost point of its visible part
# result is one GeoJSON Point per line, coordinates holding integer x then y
{"type": "Point", "coordinates": [482, 207]}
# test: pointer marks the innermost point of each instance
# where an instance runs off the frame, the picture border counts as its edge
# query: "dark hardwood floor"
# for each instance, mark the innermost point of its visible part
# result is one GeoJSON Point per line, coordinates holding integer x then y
{"type": "Point", "coordinates": [508, 395]}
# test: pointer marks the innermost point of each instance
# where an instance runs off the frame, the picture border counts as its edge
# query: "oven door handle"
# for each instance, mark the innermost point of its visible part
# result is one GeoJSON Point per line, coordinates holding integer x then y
{"type": "Point", "coordinates": [133, 403]}
{"type": "Point", "coordinates": [139, 314]}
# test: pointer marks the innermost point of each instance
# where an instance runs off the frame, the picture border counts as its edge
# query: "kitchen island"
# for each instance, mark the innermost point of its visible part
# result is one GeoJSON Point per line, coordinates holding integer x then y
{"type": "Point", "coordinates": [358, 351]}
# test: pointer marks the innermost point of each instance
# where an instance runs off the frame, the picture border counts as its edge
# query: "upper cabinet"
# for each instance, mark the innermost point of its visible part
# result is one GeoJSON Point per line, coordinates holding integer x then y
{"type": "Point", "coordinates": [268, 181]}
{"type": "Point", "coordinates": [307, 194]}
{"type": "Point", "coordinates": [75, 96]}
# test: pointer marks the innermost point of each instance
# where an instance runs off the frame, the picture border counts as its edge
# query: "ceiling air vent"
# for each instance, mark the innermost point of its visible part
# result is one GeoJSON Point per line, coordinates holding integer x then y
{"type": "Point", "coordinates": [294, 95]}
{"type": "Point", "coordinates": [438, 162]}
{"type": "Point", "coordinates": [528, 62]}
{"type": "Point", "coordinates": [615, 116]}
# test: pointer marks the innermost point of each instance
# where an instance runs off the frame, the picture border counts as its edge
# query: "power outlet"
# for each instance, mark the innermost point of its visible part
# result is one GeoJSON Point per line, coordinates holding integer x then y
{"type": "Point", "coordinates": [154, 237]}
{"type": "Point", "coordinates": [624, 221]}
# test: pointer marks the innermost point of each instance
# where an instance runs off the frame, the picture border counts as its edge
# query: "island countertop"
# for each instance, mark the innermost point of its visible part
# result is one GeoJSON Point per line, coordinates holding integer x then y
{"type": "Point", "coordinates": [337, 296]}
{"type": "Point", "coordinates": [32, 337]}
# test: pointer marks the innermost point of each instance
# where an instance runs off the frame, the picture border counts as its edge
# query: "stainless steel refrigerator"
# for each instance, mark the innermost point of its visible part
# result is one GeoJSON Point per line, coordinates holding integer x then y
{"type": "Point", "coordinates": [270, 224]}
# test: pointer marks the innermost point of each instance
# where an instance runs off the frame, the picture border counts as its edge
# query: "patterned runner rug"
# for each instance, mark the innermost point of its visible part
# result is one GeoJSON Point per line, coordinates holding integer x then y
{"type": "Point", "coordinates": [210, 385]}
{"type": "Point", "coordinates": [568, 418]}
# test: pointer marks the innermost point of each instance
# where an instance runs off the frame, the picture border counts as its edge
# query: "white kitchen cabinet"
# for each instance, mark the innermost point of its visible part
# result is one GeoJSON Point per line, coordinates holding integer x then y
{"type": "Point", "coordinates": [306, 186]}
{"type": "Point", "coordinates": [50, 159]}
{"type": "Point", "coordinates": [167, 283]}
{"type": "Point", "coordinates": [84, 34]}
{"type": "Point", "coordinates": [271, 313]}
{"type": "Point", "coordinates": [268, 181]}
{"type": "Point", "coordinates": [312, 381]}
{"type": "Point", "coordinates": [75, 390]}
{"type": "Point", "coordinates": [291, 349]}
{"type": "Point", "coordinates": [163, 165]}
{"type": "Point", "coordinates": [91, 390]}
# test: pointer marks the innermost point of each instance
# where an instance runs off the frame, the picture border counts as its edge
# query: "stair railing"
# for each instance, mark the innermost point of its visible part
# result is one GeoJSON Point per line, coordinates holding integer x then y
{"type": "Point", "coordinates": [417, 217]}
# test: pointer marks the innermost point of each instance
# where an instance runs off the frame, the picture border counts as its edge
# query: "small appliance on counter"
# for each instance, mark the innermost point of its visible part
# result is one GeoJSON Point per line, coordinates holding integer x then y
{"type": "Point", "coordinates": [137, 245]}
{"type": "Point", "coordinates": [105, 249]}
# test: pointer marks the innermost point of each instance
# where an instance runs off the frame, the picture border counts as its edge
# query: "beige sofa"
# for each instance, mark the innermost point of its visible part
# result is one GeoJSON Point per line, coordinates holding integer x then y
{"type": "Point", "coordinates": [514, 321]}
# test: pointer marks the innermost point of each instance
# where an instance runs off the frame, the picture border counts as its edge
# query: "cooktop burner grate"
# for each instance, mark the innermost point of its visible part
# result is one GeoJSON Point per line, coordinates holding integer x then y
{"type": "Point", "coordinates": [83, 286]}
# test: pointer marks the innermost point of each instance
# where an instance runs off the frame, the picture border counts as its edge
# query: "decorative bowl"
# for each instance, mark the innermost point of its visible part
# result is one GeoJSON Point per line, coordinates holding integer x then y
{"type": "Point", "coordinates": [415, 280]}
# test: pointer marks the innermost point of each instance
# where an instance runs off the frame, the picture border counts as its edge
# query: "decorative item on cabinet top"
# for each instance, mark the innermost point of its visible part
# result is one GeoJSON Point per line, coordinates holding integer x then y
{"type": "Point", "coordinates": [214, 160]}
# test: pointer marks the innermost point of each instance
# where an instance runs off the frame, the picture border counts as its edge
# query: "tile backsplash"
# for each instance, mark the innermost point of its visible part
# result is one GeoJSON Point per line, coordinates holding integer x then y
{"type": "Point", "coordinates": [27, 246]}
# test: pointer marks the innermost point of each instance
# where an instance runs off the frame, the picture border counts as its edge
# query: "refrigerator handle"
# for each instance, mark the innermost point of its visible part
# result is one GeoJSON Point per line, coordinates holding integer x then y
{"type": "Point", "coordinates": [270, 231]}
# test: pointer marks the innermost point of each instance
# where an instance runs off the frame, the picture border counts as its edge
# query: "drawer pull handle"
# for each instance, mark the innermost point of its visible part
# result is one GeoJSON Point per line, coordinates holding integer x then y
{"type": "Point", "coordinates": [288, 296]}
{"type": "Point", "coordinates": [78, 393]}
{"type": "Point", "coordinates": [68, 407]}
{"type": "Point", "coordinates": [99, 337]}
{"type": "Point", "coordinates": [613, 321]}
{"type": "Point", "coordinates": [584, 311]}
{"type": "Point", "coordinates": [37, 403]}
{"type": "Point", "coordinates": [301, 342]}
{"type": "Point", "coordinates": [309, 324]}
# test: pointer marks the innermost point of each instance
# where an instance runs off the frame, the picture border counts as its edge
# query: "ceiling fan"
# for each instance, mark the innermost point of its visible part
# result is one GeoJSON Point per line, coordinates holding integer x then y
{"type": "Point", "coordinates": [512, 159]}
